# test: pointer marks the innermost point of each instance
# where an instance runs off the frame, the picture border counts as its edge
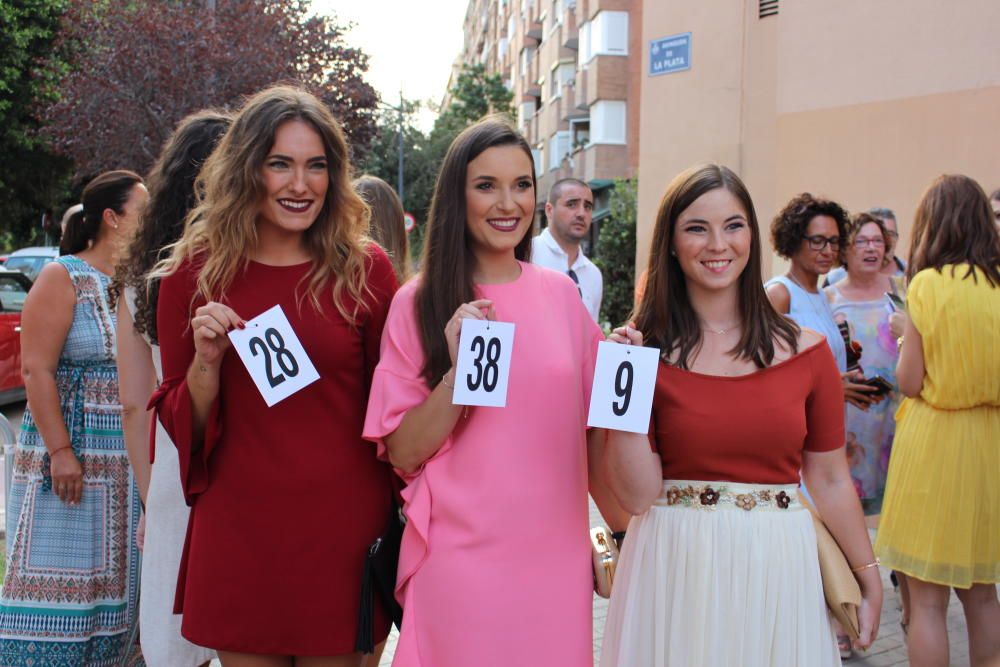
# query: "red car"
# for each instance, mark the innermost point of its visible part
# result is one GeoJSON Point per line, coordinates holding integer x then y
{"type": "Point", "coordinates": [14, 287]}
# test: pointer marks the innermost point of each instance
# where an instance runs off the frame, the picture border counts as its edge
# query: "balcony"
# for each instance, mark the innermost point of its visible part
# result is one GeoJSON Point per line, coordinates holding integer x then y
{"type": "Point", "coordinates": [594, 6]}
{"type": "Point", "coordinates": [580, 92]}
{"type": "Point", "coordinates": [531, 134]}
{"type": "Point", "coordinates": [531, 85]}
{"type": "Point", "coordinates": [600, 161]}
{"type": "Point", "coordinates": [568, 110]}
{"type": "Point", "coordinates": [606, 78]}
{"type": "Point", "coordinates": [570, 38]}
{"type": "Point", "coordinates": [551, 121]}
{"type": "Point", "coordinates": [533, 28]}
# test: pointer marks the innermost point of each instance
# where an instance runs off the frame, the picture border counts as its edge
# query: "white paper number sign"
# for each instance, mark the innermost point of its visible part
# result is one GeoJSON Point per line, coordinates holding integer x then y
{"type": "Point", "coordinates": [483, 365]}
{"type": "Point", "coordinates": [624, 380]}
{"type": "Point", "coordinates": [273, 355]}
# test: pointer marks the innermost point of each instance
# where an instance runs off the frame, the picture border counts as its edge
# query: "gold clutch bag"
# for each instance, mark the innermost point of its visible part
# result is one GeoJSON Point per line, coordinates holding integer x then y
{"type": "Point", "coordinates": [605, 553]}
{"type": "Point", "coordinates": [840, 588]}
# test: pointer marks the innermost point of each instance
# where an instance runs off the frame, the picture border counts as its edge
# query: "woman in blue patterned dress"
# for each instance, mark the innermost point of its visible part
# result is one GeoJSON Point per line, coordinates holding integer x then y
{"type": "Point", "coordinates": [69, 593]}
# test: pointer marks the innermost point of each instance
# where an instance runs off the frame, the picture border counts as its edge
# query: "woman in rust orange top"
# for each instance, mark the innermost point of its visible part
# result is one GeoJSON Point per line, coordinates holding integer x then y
{"type": "Point", "coordinates": [720, 564]}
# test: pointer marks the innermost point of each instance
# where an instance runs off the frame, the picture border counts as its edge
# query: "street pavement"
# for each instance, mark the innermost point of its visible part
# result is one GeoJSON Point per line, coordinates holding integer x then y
{"type": "Point", "coordinates": [889, 649]}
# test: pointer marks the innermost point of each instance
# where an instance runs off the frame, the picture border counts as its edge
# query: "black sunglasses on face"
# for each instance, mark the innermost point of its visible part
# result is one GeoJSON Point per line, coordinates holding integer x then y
{"type": "Point", "coordinates": [819, 242]}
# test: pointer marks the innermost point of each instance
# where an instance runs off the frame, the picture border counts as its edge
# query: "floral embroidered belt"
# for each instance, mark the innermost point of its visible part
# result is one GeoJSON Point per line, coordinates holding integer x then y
{"type": "Point", "coordinates": [715, 495]}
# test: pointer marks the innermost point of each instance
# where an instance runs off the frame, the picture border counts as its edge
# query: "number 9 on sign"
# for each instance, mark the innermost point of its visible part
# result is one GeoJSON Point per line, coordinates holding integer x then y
{"type": "Point", "coordinates": [483, 364]}
{"type": "Point", "coordinates": [624, 380]}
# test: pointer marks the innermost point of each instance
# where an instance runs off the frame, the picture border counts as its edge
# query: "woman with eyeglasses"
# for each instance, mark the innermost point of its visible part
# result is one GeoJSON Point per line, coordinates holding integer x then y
{"type": "Point", "coordinates": [808, 232]}
{"type": "Point", "coordinates": [860, 300]}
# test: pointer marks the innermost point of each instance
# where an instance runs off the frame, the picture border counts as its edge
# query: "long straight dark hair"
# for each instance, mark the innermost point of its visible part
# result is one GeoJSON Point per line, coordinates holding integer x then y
{"type": "Point", "coordinates": [447, 261]}
{"type": "Point", "coordinates": [954, 225]}
{"type": "Point", "coordinates": [665, 315]}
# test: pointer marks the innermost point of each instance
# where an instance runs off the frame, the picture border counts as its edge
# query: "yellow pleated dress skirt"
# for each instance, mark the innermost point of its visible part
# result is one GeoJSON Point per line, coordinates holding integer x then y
{"type": "Point", "coordinates": [941, 515]}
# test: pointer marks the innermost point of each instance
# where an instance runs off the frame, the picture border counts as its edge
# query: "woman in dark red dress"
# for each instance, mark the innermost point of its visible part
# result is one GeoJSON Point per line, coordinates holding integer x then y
{"type": "Point", "coordinates": [285, 499]}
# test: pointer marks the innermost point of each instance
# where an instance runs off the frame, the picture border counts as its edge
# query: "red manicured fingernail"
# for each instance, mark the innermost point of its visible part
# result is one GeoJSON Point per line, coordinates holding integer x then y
{"type": "Point", "coordinates": [241, 325]}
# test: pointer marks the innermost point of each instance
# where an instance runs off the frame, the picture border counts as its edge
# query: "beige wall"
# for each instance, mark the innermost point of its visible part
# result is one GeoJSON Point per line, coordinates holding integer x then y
{"type": "Point", "coordinates": [691, 116]}
{"type": "Point", "coordinates": [862, 101]}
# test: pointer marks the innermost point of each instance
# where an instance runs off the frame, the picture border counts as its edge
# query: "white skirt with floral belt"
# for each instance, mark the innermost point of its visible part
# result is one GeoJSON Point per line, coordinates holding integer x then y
{"type": "Point", "coordinates": [722, 574]}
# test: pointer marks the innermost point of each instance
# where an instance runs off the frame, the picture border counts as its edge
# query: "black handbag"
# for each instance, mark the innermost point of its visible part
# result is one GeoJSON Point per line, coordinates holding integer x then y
{"type": "Point", "coordinates": [379, 576]}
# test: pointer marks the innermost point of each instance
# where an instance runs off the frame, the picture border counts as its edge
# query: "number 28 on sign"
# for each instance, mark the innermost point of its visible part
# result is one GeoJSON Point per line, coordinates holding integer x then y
{"type": "Point", "coordinates": [273, 355]}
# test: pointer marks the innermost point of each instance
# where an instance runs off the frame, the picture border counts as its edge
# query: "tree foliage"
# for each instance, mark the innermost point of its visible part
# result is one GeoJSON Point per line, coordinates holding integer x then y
{"type": "Point", "coordinates": [474, 94]}
{"type": "Point", "coordinates": [32, 179]}
{"type": "Point", "coordinates": [136, 68]}
{"type": "Point", "coordinates": [615, 252]}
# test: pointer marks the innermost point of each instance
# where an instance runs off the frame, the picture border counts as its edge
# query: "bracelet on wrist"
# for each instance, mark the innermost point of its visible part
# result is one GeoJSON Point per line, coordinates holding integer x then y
{"type": "Point", "coordinates": [59, 449]}
{"type": "Point", "coordinates": [874, 563]}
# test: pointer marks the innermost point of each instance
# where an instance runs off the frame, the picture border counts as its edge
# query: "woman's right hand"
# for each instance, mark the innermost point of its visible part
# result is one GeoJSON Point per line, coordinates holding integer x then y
{"type": "Point", "coordinates": [472, 310]}
{"type": "Point", "coordinates": [210, 325]}
{"type": "Point", "coordinates": [626, 335]}
{"type": "Point", "coordinates": [859, 395]}
{"type": "Point", "coordinates": [67, 475]}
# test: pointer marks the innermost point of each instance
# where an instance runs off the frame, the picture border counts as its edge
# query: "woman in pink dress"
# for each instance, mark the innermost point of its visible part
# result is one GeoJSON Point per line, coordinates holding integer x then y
{"type": "Point", "coordinates": [495, 565]}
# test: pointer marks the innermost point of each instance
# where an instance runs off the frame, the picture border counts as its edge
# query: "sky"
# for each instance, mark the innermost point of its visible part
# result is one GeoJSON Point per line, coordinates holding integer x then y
{"type": "Point", "coordinates": [410, 44]}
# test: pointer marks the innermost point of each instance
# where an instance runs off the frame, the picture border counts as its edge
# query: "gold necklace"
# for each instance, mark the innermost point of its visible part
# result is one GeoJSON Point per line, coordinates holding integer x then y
{"type": "Point", "coordinates": [719, 331]}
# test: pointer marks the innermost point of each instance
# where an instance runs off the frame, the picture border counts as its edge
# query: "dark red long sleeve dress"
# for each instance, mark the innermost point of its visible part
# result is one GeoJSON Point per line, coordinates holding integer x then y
{"type": "Point", "coordinates": [285, 500]}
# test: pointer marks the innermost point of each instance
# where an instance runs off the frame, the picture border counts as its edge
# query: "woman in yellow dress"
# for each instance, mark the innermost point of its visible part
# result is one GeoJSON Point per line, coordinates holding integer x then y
{"type": "Point", "coordinates": [941, 516]}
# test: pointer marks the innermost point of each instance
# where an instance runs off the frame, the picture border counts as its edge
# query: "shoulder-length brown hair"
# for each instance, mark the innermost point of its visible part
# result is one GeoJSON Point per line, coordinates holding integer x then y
{"type": "Point", "coordinates": [447, 262]}
{"type": "Point", "coordinates": [665, 315]}
{"type": "Point", "coordinates": [388, 226]}
{"type": "Point", "coordinates": [171, 198]}
{"type": "Point", "coordinates": [221, 231]}
{"type": "Point", "coordinates": [954, 225]}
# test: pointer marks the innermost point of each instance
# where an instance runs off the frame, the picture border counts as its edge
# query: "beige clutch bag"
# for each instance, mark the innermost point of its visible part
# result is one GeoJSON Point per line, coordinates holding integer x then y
{"type": "Point", "coordinates": [840, 588]}
{"type": "Point", "coordinates": [605, 552]}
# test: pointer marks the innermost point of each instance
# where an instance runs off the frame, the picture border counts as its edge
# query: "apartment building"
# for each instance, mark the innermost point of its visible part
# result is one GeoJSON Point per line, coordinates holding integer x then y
{"type": "Point", "coordinates": [571, 67]}
{"type": "Point", "coordinates": [864, 101]}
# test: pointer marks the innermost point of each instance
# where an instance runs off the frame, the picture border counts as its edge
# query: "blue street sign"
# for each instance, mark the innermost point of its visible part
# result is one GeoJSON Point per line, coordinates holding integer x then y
{"type": "Point", "coordinates": [670, 54]}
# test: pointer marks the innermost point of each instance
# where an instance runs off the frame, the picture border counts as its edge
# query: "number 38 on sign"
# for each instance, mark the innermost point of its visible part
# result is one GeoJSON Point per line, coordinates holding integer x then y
{"type": "Point", "coordinates": [483, 364]}
{"type": "Point", "coordinates": [273, 356]}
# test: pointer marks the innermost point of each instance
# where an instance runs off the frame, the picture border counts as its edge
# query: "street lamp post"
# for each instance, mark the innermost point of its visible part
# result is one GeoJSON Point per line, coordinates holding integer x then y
{"type": "Point", "coordinates": [399, 132]}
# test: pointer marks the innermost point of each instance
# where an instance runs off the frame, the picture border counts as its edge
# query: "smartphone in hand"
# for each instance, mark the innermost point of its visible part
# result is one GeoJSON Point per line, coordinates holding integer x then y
{"type": "Point", "coordinates": [897, 303]}
{"type": "Point", "coordinates": [882, 385]}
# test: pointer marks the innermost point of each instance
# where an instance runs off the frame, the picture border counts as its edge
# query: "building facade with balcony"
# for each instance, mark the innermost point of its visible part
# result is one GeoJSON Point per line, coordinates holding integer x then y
{"type": "Point", "coordinates": [575, 84]}
{"type": "Point", "coordinates": [862, 102]}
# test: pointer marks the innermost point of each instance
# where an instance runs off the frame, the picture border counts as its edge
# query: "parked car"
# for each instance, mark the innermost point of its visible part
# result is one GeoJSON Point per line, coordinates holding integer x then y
{"type": "Point", "coordinates": [14, 287]}
{"type": "Point", "coordinates": [30, 261]}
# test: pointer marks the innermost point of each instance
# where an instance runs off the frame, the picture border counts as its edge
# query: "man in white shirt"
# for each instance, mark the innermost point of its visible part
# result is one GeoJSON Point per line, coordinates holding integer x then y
{"type": "Point", "coordinates": [570, 210]}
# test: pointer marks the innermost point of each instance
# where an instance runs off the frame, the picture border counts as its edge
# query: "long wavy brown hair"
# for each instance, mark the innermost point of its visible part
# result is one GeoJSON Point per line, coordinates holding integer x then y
{"type": "Point", "coordinates": [171, 197]}
{"type": "Point", "coordinates": [954, 225]}
{"type": "Point", "coordinates": [447, 263]}
{"type": "Point", "coordinates": [221, 231]}
{"type": "Point", "coordinates": [665, 315]}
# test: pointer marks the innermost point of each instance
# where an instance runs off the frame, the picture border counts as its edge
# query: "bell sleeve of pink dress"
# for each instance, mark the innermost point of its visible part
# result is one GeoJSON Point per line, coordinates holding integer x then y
{"type": "Point", "coordinates": [172, 399]}
{"type": "Point", "coordinates": [397, 384]}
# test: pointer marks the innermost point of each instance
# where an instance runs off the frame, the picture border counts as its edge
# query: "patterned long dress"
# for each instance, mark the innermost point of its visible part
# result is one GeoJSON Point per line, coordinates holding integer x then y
{"type": "Point", "coordinates": [70, 592]}
{"type": "Point", "coordinates": [870, 432]}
